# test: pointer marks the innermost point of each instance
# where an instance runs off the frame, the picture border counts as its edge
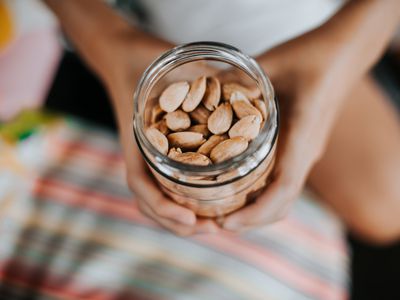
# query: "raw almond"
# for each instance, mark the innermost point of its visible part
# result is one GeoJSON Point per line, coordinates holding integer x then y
{"type": "Point", "coordinates": [191, 158]}
{"type": "Point", "coordinates": [158, 140]}
{"type": "Point", "coordinates": [186, 140]}
{"type": "Point", "coordinates": [247, 127]}
{"type": "Point", "coordinates": [174, 152]}
{"type": "Point", "coordinates": [200, 114]}
{"type": "Point", "coordinates": [213, 93]}
{"type": "Point", "coordinates": [156, 114]}
{"type": "Point", "coordinates": [195, 95]}
{"type": "Point", "coordinates": [213, 141]}
{"type": "Point", "coordinates": [238, 96]}
{"type": "Point", "coordinates": [260, 105]}
{"type": "Point", "coordinates": [177, 120]}
{"type": "Point", "coordinates": [173, 96]}
{"type": "Point", "coordinates": [221, 119]}
{"type": "Point", "coordinates": [228, 149]}
{"type": "Point", "coordinates": [229, 88]}
{"type": "Point", "coordinates": [201, 128]}
{"type": "Point", "coordinates": [243, 108]}
{"type": "Point", "coordinates": [161, 126]}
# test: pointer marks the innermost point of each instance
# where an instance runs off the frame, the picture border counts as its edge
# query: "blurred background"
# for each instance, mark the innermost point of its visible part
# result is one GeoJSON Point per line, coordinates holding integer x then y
{"type": "Point", "coordinates": [41, 84]}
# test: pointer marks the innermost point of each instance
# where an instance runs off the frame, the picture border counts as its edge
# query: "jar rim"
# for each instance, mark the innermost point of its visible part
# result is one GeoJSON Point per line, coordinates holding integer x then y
{"type": "Point", "coordinates": [206, 51]}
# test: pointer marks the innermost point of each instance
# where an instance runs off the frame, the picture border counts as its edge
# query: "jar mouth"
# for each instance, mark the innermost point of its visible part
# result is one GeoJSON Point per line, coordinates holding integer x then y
{"type": "Point", "coordinates": [258, 149]}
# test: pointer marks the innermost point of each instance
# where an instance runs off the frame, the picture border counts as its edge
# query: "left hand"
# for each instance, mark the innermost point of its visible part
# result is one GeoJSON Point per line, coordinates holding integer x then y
{"type": "Point", "coordinates": [304, 75]}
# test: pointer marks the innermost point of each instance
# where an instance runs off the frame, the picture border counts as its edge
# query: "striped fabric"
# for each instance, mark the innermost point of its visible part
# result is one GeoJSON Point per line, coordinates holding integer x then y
{"type": "Point", "coordinates": [70, 229]}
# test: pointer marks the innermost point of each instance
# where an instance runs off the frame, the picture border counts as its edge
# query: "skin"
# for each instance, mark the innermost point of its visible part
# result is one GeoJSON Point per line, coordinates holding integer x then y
{"type": "Point", "coordinates": [358, 175]}
{"type": "Point", "coordinates": [316, 76]}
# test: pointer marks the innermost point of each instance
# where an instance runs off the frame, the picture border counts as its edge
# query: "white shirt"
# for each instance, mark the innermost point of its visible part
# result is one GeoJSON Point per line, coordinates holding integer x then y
{"type": "Point", "coordinates": [250, 25]}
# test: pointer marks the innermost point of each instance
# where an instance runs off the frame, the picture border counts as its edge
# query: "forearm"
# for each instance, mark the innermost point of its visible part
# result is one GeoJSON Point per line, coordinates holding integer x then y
{"type": "Point", "coordinates": [361, 31]}
{"type": "Point", "coordinates": [92, 27]}
{"type": "Point", "coordinates": [358, 34]}
{"type": "Point", "coordinates": [345, 47]}
{"type": "Point", "coordinates": [114, 49]}
{"type": "Point", "coordinates": [314, 73]}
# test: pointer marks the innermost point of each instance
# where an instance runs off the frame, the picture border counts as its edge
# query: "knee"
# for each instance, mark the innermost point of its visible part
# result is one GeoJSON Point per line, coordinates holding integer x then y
{"type": "Point", "coordinates": [379, 234]}
{"type": "Point", "coordinates": [378, 224]}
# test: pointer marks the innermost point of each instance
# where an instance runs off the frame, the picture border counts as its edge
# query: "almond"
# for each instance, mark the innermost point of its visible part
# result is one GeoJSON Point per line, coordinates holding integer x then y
{"type": "Point", "coordinates": [229, 88]}
{"type": "Point", "coordinates": [211, 143]}
{"type": "Point", "coordinates": [261, 106]}
{"type": "Point", "coordinates": [243, 108]}
{"type": "Point", "coordinates": [191, 158]}
{"type": "Point", "coordinates": [200, 114]}
{"type": "Point", "coordinates": [201, 128]}
{"type": "Point", "coordinates": [221, 119]}
{"type": "Point", "coordinates": [186, 140]}
{"type": "Point", "coordinates": [174, 152]}
{"type": "Point", "coordinates": [247, 127]}
{"type": "Point", "coordinates": [156, 114]}
{"type": "Point", "coordinates": [173, 96]}
{"type": "Point", "coordinates": [195, 95]}
{"type": "Point", "coordinates": [177, 120]}
{"type": "Point", "coordinates": [213, 93]}
{"type": "Point", "coordinates": [157, 139]}
{"type": "Point", "coordinates": [238, 96]}
{"type": "Point", "coordinates": [161, 126]}
{"type": "Point", "coordinates": [228, 149]}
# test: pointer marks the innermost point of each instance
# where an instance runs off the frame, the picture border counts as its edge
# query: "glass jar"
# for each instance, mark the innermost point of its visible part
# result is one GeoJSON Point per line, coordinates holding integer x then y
{"type": "Point", "coordinates": [217, 189]}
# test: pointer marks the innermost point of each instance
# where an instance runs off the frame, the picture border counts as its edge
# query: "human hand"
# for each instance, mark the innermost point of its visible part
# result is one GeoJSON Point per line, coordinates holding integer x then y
{"type": "Point", "coordinates": [308, 84]}
{"type": "Point", "coordinates": [151, 201]}
{"type": "Point", "coordinates": [133, 57]}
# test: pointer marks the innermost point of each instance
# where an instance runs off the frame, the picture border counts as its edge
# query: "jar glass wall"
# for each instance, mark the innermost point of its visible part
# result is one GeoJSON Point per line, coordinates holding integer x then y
{"type": "Point", "coordinates": [216, 189]}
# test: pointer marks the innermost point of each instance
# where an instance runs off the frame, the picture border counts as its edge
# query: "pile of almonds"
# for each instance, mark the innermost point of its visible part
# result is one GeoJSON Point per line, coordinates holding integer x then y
{"type": "Point", "coordinates": [205, 122]}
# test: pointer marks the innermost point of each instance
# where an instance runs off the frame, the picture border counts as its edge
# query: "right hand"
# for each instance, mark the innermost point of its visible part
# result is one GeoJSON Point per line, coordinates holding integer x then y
{"type": "Point", "coordinates": [152, 202]}
{"type": "Point", "coordinates": [134, 58]}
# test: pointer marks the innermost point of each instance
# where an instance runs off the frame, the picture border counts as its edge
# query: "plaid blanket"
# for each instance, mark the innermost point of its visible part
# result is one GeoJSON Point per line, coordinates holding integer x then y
{"type": "Point", "coordinates": [70, 229]}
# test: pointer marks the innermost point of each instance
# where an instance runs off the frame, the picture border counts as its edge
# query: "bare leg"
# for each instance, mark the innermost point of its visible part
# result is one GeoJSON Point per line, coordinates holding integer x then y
{"type": "Point", "coordinates": [359, 175]}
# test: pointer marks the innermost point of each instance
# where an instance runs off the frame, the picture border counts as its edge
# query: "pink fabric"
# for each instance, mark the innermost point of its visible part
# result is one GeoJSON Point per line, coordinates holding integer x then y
{"type": "Point", "coordinates": [27, 67]}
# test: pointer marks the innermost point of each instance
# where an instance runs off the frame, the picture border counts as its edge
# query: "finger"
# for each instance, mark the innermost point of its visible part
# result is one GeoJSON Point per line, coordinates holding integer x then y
{"type": "Point", "coordinates": [163, 207]}
{"type": "Point", "coordinates": [270, 207]}
{"type": "Point", "coordinates": [142, 184]}
{"type": "Point", "coordinates": [201, 226]}
{"type": "Point", "coordinates": [273, 204]}
{"type": "Point", "coordinates": [171, 225]}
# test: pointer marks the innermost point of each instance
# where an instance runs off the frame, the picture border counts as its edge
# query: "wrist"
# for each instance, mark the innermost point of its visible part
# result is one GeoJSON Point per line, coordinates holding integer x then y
{"type": "Point", "coordinates": [121, 99]}
{"type": "Point", "coordinates": [131, 54]}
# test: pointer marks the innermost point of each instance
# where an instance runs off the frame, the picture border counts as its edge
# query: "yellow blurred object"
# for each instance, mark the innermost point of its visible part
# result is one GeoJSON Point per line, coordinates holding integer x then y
{"type": "Point", "coordinates": [6, 25]}
{"type": "Point", "coordinates": [25, 124]}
